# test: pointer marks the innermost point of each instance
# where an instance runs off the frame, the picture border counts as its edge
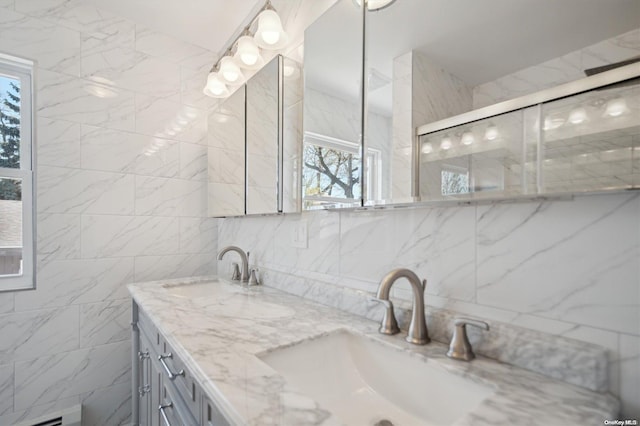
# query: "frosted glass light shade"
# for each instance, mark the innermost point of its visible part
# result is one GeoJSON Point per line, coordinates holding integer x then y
{"type": "Point", "coordinates": [616, 107]}
{"type": "Point", "coordinates": [247, 54]}
{"type": "Point", "coordinates": [270, 34]}
{"type": "Point", "coordinates": [215, 87]}
{"type": "Point", "coordinates": [230, 71]}
{"type": "Point", "coordinates": [467, 138]}
{"type": "Point", "coordinates": [375, 4]}
{"type": "Point", "coordinates": [291, 69]}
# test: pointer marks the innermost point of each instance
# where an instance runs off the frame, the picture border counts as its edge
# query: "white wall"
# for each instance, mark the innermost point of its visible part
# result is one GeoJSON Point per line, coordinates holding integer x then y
{"type": "Point", "coordinates": [107, 214]}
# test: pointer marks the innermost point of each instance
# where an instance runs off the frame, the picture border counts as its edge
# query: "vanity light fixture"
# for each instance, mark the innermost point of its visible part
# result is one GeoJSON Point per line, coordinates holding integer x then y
{"type": "Point", "coordinates": [491, 133]}
{"type": "Point", "coordinates": [270, 34]}
{"type": "Point", "coordinates": [467, 138]}
{"type": "Point", "coordinates": [227, 70]}
{"type": "Point", "coordinates": [215, 87]}
{"type": "Point", "coordinates": [247, 53]}
{"type": "Point", "coordinates": [616, 107]}
{"type": "Point", "coordinates": [427, 148]}
{"type": "Point", "coordinates": [577, 116]}
{"type": "Point", "coordinates": [373, 5]}
{"type": "Point", "coordinates": [446, 143]}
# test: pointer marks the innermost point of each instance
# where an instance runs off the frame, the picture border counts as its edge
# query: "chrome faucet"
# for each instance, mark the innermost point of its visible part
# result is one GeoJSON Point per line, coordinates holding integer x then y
{"type": "Point", "coordinates": [418, 333]}
{"type": "Point", "coordinates": [244, 275]}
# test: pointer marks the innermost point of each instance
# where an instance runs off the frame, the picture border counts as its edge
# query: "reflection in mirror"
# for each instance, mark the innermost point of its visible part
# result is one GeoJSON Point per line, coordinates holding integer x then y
{"type": "Point", "coordinates": [332, 167]}
{"type": "Point", "coordinates": [263, 134]}
{"type": "Point", "coordinates": [428, 61]}
{"type": "Point", "coordinates": [293, 98]}
{"type": "Point", "coordinates": [226, 168]}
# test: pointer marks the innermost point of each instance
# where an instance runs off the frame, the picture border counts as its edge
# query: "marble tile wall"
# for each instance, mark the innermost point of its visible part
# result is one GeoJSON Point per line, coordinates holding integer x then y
{"type": "Point", "coordinates": [566, 268]}
{"type": "Point", "coordinates": [121, 197]}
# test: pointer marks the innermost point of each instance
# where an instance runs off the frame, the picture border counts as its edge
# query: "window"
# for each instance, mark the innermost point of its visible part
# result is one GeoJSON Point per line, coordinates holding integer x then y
{"type": "Point", "coordinates": [454, 180]}
{"type": "Point", "coordinates": [331, 170]}
{"type": "Point", "coordinates": [16, 175]}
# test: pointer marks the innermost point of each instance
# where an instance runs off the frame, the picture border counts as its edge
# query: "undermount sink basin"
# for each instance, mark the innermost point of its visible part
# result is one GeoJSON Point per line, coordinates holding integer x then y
{"type": "Point", "coordinates": [364, 382]}
{"type": "Point", "coordinates": [189, 291]}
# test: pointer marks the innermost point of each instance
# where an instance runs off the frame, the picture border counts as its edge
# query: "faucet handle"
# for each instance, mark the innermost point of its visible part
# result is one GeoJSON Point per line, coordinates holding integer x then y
{"type": "Point", "coordinates": [460, 347]}
{"type": "Point", "coordinates": [388, 325]}
{"type": "Point", "coordinates": [253, 278]}
{"type": "Point", "coordinates": [235, 276]}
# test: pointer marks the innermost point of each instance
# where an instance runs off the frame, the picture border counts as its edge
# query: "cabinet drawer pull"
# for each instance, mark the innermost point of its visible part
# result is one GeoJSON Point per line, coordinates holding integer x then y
{"type": "Point", "coordinates": [143, 390]}
{"type": "Point", "coordinates": [171, 374]}
{"type": "Point", "coordinates": [163, 407]}
{"type": "Point", "coordinates": [143, 355]}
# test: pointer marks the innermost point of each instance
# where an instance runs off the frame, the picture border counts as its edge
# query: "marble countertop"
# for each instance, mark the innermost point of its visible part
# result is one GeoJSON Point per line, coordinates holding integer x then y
{"type": "Point", "coordinates": [218, 329]}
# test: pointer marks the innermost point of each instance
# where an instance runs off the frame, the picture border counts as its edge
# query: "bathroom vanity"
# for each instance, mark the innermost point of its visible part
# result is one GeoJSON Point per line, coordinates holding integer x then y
{"type": "Point", "coordinates": [207, 352]}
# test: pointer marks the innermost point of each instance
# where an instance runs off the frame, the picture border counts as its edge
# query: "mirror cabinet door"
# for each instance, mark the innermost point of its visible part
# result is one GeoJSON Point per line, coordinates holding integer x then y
{"type": "Point", "coordinates": [454, 104]}
{"type": "Point", "coordinates": [333, 62]}
{"type": "Point", "coordinates": [264, 143]}
{"type": "Point", "coordinates": [226, 157]}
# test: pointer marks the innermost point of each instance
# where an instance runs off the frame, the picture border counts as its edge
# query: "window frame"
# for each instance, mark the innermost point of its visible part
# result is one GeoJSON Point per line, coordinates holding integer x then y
{"type": "Point", "coordinates": [23, 69]}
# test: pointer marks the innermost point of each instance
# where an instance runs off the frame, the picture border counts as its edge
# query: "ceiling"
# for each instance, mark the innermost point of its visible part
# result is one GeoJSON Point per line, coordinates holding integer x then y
{"type": "Point", "coordinates": [206, 23]}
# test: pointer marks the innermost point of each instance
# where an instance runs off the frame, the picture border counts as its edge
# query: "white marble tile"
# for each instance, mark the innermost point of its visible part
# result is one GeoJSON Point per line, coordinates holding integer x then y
{"type": "Point", "coordinates": [121, 236]}
{"type": "Point", "coordinates": [6, 389]}
{"type": "Point", "coordinates": [37, 411]}
{"type": "Point", "coordinates": [170, 197]}
{"type": "Point", "coordinates": [198, 235]}
{"type": "Point", "coordinates": [6, 302]}
{"type": "Point", "coordinates": [62, 190]}
{"type": "Point", "coordinates": [225, 199]}
{"type": "Point", "coordinates": [7, 4]}
{"type": "Point", "coordinates": [192, 82]}
{"type": "Point", "coordinates": [162, 118]}
{"type": "Point", "coordinates": [58, 376]}
{"type": "Point", "coordinates": [68, 98]}
{"type": "Point", "coordinates": [439, 246]}
{"type": "Point", "coordinates": [160, 157]}
{"type": "Point", "coordinates": [28, 335]}
{"type": "Point", "coordinates": [126, 68]}
{"type": "Point", "coordinates": [226, 166]}
{"type": "Point", "coordinates": [150, 268]}
{"type": "Point", "coordinates": [107, 406]}
{"type": "Point", "coordinates": [69, 282]}
{"type": "Point", "coordinates": [322, 252]}
{"type": "Point", "coordinates": [105, 322]}
{"type": "Point", "coordinates": [193, 161]}
{"type": "Point", "coordinates": [58, 143]}
{"type": "Point", "coordinates": [53, 47]}
{"type": "Point", "coordinates": [630, 376]}
{"type": "Point", "coordinates": [615, 49]}
{"type": "Point", "coordinates": [58, 236]}
{"type": "Point", "coordinates": [580, 264]}
{"type": "Point", "coordinates": [82, 16]}
{"type": "Point", "coordinates": [226, 124]}
{"type": "Point", "coordinates": [171, 49]}
{"type": "Point", "coordinates": [254, 234]}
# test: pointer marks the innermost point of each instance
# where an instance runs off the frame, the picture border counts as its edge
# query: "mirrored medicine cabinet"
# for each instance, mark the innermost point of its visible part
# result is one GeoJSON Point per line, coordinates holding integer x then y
{"type": "Point", "coordinates": [253, 151]}
{"type": "Point", "coordinates": [473, 100]}
{"type": "Point", "coordinates": [412, 101]}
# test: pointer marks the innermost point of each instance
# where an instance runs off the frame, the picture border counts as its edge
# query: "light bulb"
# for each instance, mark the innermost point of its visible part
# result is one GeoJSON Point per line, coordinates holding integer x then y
{"type": "Point", "coordinates": [230, 71]}
{"type": "Point", "coordinates": [270, 34]}
{"type": "Point", "coordinates": [616, 107]}
{"type": "Point", "coordinates": [491, 133]}
{"type": "Point", "coordinates": [215, 88]}
{"type": "Point", "coordinates": [553, 123]}
{"type": "Point", "coordinates": [446, 143]}
{"type": "Point", "coordinates": [467, 138]}
{"type": "Point", "coordinates": [577, 116]}
{"type": "Point", "coordinates": [248, 54]}
{"type": "Point", "coordinates": [427, 148]}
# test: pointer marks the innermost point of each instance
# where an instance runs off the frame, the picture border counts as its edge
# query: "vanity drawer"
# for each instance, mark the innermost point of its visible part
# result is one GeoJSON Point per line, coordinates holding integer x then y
{"type": "Point", "coordinates": [211, 416]}
{"type": "Point", "coordinates": [177, 373]}
{"type": "Point", "coordinates": [150, 331]}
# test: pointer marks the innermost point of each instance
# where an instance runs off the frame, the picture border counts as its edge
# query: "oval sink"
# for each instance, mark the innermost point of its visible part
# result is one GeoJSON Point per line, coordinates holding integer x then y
{"type": "Point", "coordinates": [364, 382]}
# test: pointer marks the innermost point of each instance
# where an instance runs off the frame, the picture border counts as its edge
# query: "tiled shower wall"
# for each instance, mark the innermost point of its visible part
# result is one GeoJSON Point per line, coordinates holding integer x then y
{"type": "Point", "coordinates": [565, 267]}
{"type": "Point", "coordinates": [121, 197]}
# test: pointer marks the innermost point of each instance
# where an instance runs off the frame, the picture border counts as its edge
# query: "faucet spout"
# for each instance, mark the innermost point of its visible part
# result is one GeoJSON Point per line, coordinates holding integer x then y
{"type": "Point", "coordinates": [244, 275]}
{"type": "Point", "coordinates": [418, 333]}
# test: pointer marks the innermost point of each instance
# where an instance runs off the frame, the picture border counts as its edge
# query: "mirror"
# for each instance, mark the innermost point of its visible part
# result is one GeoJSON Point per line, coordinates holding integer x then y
{"type": "Point", "coordinates": [226, 156]}
{"type": "Point", "coordinates": [292, 148]}
{"type": "Point", "coordinates": [429, 62]}
{"type": "Point", "coordinates": [333, 60]}
{"type": "Point", "coordinates": [264, 112]}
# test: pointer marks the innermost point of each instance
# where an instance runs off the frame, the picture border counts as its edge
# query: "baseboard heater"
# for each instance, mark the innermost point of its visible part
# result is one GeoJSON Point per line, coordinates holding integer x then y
{"type": "Point", "coordinates": [71, 416]}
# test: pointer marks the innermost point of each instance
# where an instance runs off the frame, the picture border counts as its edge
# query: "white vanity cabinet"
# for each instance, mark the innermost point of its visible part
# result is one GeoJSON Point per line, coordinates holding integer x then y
{"type": "Point", "coordinates": [164, 391]}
